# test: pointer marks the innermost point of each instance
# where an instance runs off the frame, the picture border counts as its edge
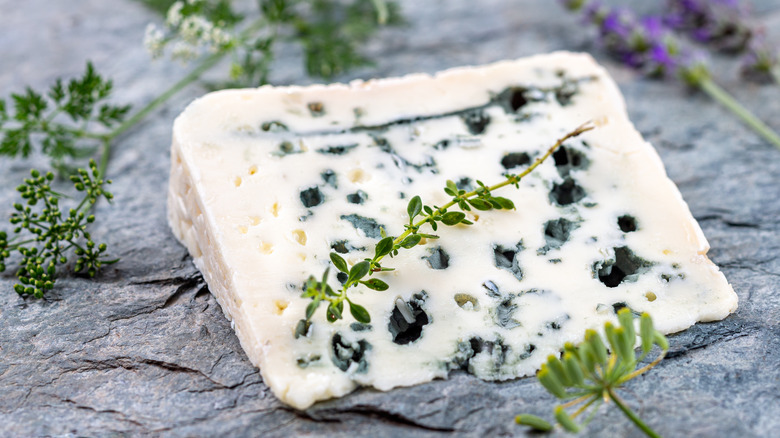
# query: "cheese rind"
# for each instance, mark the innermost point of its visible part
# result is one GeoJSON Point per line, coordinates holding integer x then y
{"type": "Point", "coordinates": [266, 182]}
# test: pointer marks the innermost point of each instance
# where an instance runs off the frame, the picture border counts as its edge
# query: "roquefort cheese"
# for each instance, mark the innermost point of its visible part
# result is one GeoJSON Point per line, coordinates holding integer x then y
{"type": "Point", "coordinates": [266, 182]}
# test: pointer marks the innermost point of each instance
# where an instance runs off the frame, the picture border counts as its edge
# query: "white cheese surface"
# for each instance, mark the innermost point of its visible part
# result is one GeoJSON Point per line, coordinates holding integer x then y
{"type": "Point", "coordinates": [265, 182]}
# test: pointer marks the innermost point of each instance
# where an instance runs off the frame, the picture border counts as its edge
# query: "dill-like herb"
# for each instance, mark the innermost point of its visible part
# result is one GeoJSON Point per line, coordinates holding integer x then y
{"type": "Point", "coordinates": [67, 123]}
{"type": "Point", "coordinates": [588, 375]}
{"type": "Point", "coordinates": [74, 121]}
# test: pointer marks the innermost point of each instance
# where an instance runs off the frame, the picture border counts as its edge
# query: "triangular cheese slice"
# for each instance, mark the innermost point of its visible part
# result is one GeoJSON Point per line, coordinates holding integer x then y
{"type": "Point", "coordinates": [265, 183]}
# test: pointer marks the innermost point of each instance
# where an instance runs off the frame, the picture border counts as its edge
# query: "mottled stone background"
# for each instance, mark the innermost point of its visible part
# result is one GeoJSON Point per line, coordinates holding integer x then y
{"type": "Point", "coordinates": [143, 349]}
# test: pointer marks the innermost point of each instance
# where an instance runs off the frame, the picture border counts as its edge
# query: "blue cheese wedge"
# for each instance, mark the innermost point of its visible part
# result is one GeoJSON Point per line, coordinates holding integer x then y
{"type": "Point", "coordinates": [265, 183]}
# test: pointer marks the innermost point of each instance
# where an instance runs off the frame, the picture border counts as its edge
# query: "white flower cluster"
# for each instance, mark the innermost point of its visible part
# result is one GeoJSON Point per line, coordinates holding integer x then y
{"type": "Point", "coordinates": [154, 40]}
{"type": "Point", "coordinates": [188, 33]}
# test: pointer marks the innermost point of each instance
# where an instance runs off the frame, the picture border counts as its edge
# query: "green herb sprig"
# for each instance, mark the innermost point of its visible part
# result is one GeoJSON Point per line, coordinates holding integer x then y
{"type": "Point", "coordinates": [74, 120]}
{"type": "Point", "coordinates": [588, 374]}
{"type": "Point", "coordinates": [68, 122]}
{"type": "Point", "coordinates": [47, 235]}
{"type": "Point", "coordinates": [482, 199]}
{"type": "Point", "coordinates": [329, 31]}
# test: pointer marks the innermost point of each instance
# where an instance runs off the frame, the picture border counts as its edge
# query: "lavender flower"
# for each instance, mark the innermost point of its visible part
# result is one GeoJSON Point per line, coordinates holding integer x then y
{"type": "Point", "coordinates": [648, 45]}
{"type": "Point", "coordinates": [761, 62]}
{"type": "Point", "coordinates": [720, 23]}
{"type": "Point", "coordinates": [645, 44]}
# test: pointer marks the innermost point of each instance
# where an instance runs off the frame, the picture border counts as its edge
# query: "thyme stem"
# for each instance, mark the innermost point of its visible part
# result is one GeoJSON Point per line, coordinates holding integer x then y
{"type": "Point", "coordinates": [514, 179]}
{"type": "Point", "coordinates": [631, 415]}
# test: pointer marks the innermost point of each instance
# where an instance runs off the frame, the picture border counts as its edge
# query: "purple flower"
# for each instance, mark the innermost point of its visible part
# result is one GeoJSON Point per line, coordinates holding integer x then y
{"type": "Point", "coordinates": [654, 27]}
{"type": "Point", "coordinates": [644, 44]}
{"type": "Point", "coordinates": [660, 56]}
{"type": "Point", "coordinates": [616, 23]}
{"type": "Point", "coordinates": [761, 60]}
{"type": "Point", "coordinates": [720, 23]}
{"type": "Point", "coordinates": [647, 45]}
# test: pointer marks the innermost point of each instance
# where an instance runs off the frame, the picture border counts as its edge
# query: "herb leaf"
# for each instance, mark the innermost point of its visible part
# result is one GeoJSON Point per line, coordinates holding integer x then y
{"type": "Point", "coordinates": [339, 262]}
{"type": "Point", "coordinates": [453, 217]}
{"type": "Point", "coordinates": [415, 207]}
{"type": "Point", "coordinates": [359, 313]}
{"type": "Point", "coordinates": [383, 247]}
{"type": "Point", "coordinates": [358, 271]}
{"type": "Point", "coordinates": [411, 241]}
{"type": "Point", "coordinates": [375, 284]}
{"type": "Point", "coordinates": [62, 126]}
{"type": "Point", "coordinates": [312, 307]}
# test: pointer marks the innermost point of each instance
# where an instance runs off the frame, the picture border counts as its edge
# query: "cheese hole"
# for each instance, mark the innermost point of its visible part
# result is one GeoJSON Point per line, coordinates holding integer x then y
{"type": "Point", "coordinates": [357, 176]}
{"type": "Point", "coordinates": [627, 223]}
{"type": "Point", "coordinates": [237, 181]}
{"type": "Point", "coordinates": [650, 296]}
{"type": "Point", "coordinates": [254, 220]}
{"type": "Point", "coordinates": [408, 319]}
{"type": "Point", "coordinates": [280, 305]}
{"type": "Point", "coordinates": [252, 169]}
{"type": "Point", "coordinates": [242, 229]}
{"type": "Point", "coordinates": [266, 248]}
{"type": "Point", "coordinates": [299, 236]}
{"type": "Point", "coordinates": [275, 209]}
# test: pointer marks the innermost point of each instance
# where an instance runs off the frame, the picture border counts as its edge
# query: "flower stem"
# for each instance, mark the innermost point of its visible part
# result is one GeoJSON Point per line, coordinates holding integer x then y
{"type": "Point", "coordinates": [632, 416]}
{"type": "Point", "coordinates": [644, 369]}
{"type": "Point", "coordinates": [721, 96]}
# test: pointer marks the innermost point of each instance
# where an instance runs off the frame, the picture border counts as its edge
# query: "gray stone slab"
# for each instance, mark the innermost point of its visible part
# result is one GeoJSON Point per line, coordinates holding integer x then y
{"type": "Point", "coordinates": [144, 349]}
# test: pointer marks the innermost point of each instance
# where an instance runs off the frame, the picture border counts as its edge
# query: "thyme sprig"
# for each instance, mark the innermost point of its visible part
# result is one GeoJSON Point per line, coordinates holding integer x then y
{"type": "Point", "coordinates": [47, 235]}
{"type": "Point", "coordinates": [587, 375]}
{"type": "Point", "coordinates": [482, 199]}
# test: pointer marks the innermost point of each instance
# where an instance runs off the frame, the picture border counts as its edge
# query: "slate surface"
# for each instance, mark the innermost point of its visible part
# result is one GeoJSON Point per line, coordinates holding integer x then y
{"type": "Point", "coordinates": [144, 349]}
